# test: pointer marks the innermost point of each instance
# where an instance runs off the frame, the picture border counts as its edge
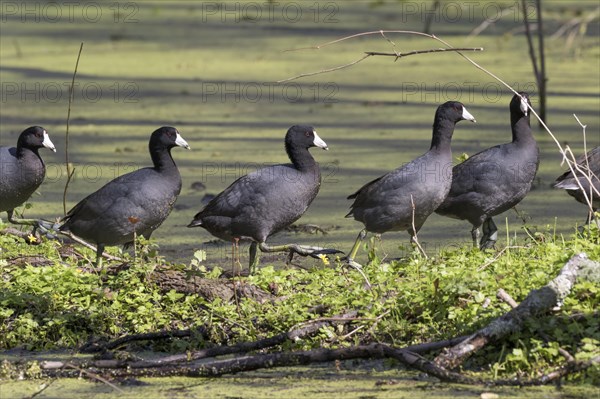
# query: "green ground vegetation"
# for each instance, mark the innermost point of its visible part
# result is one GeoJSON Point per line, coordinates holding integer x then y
{"type": "Point", "coordinates": [49, 304]}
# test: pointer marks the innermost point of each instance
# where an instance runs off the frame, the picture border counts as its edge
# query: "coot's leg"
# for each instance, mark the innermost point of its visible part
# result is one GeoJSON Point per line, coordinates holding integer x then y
{"type": "Point", "coordinates": [236, 266]}
{"type": "Point", "coordinates": [27, 222]}
{"type": "Point", "coordinates": [254, 258]}
{"type": "Point", "coordinates": [99, 251]}
{"type": "Point", "coordinates": [302, 250]}
{"type": "Point", "coordinates": [350, 258]}
{"type": "Point", "coordinates": [475, 235]}
{"type": "Point", "coordinates": [490, 234]}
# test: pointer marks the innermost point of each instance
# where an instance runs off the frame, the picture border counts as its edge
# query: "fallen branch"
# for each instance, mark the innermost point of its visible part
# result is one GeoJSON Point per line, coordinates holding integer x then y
{"type": "Point", "coordinates": [505, 296]}
{"type": "Point", "coordinates": [187, 364]}
{"type": "Point", "coordinates": [242, 347]}
{"type": "Point", "coordinates": [204, 363]}
{"type": "Point", "coordinates": [536, 303]}
{"type": "Point", "coordinates": [370, 54]}
{"type": "Point", "coordinates": [214, 368]}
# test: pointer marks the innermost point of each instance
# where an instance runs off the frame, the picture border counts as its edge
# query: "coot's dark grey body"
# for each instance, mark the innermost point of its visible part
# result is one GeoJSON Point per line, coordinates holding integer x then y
{"type": "Point", "coordinates": [266, 201]}
{"type": "Point", "coordinates": [494, 180]}
{"type": "Point", "coordinates": [568, 181]}
{"type": "Point", "coordinates": [22, 169]}
{"type": "Point", "coordinates": [386, 203]}
{"type": "Point", "coordinates": [137, 201]}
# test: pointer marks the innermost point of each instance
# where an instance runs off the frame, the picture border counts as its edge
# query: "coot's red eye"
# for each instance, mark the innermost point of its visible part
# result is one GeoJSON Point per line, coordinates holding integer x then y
{"type": "Point", "coordinates": [307, 134]}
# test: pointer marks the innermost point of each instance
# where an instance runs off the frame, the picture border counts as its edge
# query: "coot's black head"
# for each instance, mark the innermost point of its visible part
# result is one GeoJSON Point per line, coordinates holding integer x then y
{"type": "Point", "coordinates": [35, 137]}
{"type": "Point", "coordinates": [518, 105]}
{"type": "Point", "coordinates": [303, 136]}
{"type": "Point", "coordinates": [166, 137]}
{"type": "Point", "coordinates": [454, 112]}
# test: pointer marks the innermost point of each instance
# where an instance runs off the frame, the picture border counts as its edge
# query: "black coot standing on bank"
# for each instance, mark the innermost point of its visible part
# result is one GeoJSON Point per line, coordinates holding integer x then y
{"type": "Point", "coordinates": [405, 197]}
{"type": "Point", "coordinates": [22, 171]}
{"type": "Point", "coordinates": [135, 203]}
{"type": "Point", "coordinates": [266, 201]}
{"type": "Point", "coordinates": [494, 180]}
{"type": "Point", "coordinates": [587, 178]}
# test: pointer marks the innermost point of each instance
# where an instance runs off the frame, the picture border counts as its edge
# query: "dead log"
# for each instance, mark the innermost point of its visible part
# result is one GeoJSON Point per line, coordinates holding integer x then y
{"type": "Point", "coordinates": [183, 364]}
{"type": "Point", "coordinates": [538, 302]}
{"type": "Point", "coordinates": [168, 278]}
{"type": "Point", "coordinates": [219, 367]}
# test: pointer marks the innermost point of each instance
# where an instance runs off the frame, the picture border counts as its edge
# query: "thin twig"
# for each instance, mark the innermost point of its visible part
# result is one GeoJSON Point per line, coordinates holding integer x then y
{"type": "Point", "coordinates": [351, 333]}
{"type": "Point", "coordinates": [368, 54]}
{"type": "Point", "coordinates": [414, 237]}
{"type": "Point", "coordinates": [574, 167]}
{"type": "Point", "coordinates": [589, 173]}
{"type": "Point", "coordinates": [542, 81]}
{"type": "Point", "coordinates": [505, 297]}
{"type": "Point", "coordinates": [42, 389]}
{"type": "Point", "coordinates": [433, 50]}
{"type": "Point", "coordinates": [71, 97]}
{"type": "Point", "coordinates": [95, 377]}
{"type": "Point", "coordinates": [489, 21]}
{"type": "Point", "coordinates": [337, 68]}
{"type": "Point", "coordinates": [375, 32]}
{"type": "Point", "coordinates": [534, 63]}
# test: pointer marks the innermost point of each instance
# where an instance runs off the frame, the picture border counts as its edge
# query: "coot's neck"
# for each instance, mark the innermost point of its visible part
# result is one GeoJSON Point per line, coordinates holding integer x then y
{"type": "Point", "coordinates": [521, 130]}
{"type": "Point", "coordinates": [162, 159]}
{"type": "Point", "coordinates": [28, 153]}
{"type": "Point", "coordinates": [442, 135]}
{"type": "Point", "coordinates": [300, 157]}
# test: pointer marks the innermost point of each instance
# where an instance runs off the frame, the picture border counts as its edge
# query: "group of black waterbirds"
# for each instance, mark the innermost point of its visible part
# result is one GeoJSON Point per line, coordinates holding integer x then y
{"type": "Point", "coordinates": [260, 204]}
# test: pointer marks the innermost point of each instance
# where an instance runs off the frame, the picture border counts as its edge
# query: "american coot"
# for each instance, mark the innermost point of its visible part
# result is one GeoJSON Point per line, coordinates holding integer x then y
{"type": "Point", "coordinates": [386, 203]}
{"type": "Point", "coordinates": [266, 201]}
{"type": "Point", "coordinates": [591, 187]}
{"type": "Point", "coordinates": [494, 180]}
{"type": "Point", "coordinates": [134, 203]}
{"type": "Point", "coordinates": [22, 170]}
